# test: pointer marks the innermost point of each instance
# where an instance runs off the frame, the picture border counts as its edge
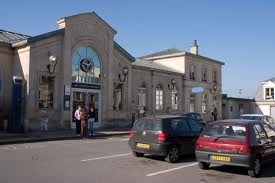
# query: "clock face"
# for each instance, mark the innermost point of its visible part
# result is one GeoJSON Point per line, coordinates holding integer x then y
{"type": "Point", "coordinates": [86, 65]}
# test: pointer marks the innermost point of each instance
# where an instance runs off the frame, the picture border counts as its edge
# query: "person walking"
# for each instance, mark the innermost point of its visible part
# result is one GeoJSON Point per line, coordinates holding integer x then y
{"type": "Point", "coordinates": [91, 120]}
{"type": "Point", "coordinates": [77, 117]}
{"type": "Point", "coordinates": [84, 123]}
{"type": "Point", "coordinates": [215, 113]}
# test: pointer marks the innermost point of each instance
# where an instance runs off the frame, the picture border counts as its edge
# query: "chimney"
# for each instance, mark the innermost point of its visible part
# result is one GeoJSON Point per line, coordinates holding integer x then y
{"type": "Point", "coordinates": [195, 48]}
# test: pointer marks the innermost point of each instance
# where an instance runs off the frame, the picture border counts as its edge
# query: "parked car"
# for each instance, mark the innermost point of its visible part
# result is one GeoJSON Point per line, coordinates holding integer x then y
{"type": "Point", "coordinates": [194, 115]}
{"type": "Point", "coordinates": [238, 142]}
{"type": "Point", "coordinates": [167, 136]}
{"type": "Point", "coordinates": [260, 117]}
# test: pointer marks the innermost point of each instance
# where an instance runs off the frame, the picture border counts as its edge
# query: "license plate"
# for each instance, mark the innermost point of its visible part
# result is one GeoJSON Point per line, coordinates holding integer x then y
{"type": "Point", "coordinates": [220, 158]}
{"type": "Point", "coordinates": [144, 146]}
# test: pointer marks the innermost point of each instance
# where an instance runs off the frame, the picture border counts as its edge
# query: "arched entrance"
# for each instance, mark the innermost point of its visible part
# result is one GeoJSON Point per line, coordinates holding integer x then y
{"type": "Point", "coordinates": [86, 82]}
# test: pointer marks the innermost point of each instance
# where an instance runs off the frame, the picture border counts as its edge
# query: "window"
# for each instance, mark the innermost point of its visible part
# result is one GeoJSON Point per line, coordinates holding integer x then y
{"type": "Point", "coordinates": [270, 132]}
{"type": "Point", "coordinates": [192, 72]}
{"type": "Point", "coordinates": [142, 95]}
{"type": "Point", "coordinates": [204, 74]}
{"type": "Point", "coordinates": [180, 125]}
{"type": "Point", "coordinates": [46, 92]}
{"type": "Point", "coordinates": [269, 94]}
{"type": "Point", "coordinates": [195, 126]}
{"type": "Point", "coordinates": [192, 103]}
{"type": "Point", "coordinates": [86, 66]}
{"type": "Point", "coordinates": [214, 79]}
{"type": "Point", "coordinates": [174, 99]}
{"type": "Point", "coordinates": [204, 103]}
{"type": "Point", "coordinates": [117, 96]}
{"type": "Point", "coordinates": [259, 131]}
{"type": "Point", "coordinates": [159, 97]}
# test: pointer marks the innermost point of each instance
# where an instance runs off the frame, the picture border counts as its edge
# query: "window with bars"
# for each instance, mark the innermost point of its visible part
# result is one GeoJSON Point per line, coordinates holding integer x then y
{"type": "Point", "coordinates": [174, 100]}
{"type": "Point", "coordinates": [192, 72]}
{"type": "Point", "coordinates": [46, 92]}
{"type": "Point", "coordinates": [269, 93]}
{"type": "Point", "coordinates": [159, 97]}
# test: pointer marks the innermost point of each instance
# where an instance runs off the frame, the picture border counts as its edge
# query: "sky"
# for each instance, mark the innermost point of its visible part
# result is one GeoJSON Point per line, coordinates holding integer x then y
{"type": "Point", "coordinates": [240, 33]}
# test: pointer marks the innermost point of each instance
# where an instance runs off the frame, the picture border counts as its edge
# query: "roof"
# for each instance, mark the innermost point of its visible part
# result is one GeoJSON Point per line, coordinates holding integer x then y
{"type": "Point", "coordinates": [153, 65]}
{"type": "Point", "coordinates": [11, 37]}
{"type": "Point", "coordinates": [252, 115]}
{"type": "Point", "coordinates": [164, 52]}
{"type": "Point", "coordinates": [271, 79]}
{"type": "Point", "coordinates": [235, 121]}
{"type": "Point", "coordinates": [124, 52]}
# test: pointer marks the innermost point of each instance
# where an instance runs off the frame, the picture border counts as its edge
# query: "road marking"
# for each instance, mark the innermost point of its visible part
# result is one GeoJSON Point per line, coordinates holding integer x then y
{"type": "Point", "coordinates": [106, 157]}
{"type": "Point", "coordinates": [169, 170]}
{"type": "Point", "coordinates": [21, 147]}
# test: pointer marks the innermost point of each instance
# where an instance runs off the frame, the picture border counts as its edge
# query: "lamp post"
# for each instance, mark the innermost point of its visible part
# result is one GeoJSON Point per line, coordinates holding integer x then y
{"type": "Point", "coordinates": [52, 63]}
{"type": "Point", "coordinates": [173, 82]}
{"type": "Point", "coordinates": [125, 71]}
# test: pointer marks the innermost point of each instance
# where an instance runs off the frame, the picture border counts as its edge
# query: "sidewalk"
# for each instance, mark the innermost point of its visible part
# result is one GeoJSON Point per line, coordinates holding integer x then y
{"type": "Point", "coordinates": [13, 138]}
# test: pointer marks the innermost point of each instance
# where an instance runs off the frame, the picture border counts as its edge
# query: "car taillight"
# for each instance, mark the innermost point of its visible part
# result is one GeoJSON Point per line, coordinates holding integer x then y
{"type": "Point", "coordinates": [245, 149]}
{"type": "Point", "coordinates": [198, 146]}
{"type": "Point", "coordinates": [162, 136]}
{"type": "Point", "coordinates": [132, 133]}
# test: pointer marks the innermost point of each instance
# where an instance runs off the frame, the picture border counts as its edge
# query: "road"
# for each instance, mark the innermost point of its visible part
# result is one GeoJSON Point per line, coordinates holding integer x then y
{"type": "Point", "coordinates": [104, 160]}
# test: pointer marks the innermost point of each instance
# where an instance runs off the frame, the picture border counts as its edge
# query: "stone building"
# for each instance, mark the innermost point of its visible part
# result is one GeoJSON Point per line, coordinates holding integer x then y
{"type": "Point", "coordinates": [49, 75]}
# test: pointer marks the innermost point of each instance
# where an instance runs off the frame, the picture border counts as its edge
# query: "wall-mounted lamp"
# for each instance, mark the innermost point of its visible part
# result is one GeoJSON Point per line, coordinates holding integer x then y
{"type": "Point", "coordinates": [125, 71]}
{"type": "Point", "coordinates": [213, 89]}
{"type": "Point", "coordinates": [173, 82]}
{"type": "Point", "coordinates": [52, 63]}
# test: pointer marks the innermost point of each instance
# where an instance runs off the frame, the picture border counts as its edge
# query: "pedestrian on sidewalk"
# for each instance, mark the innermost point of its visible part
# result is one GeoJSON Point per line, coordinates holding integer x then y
{"type": "Point", "coordinates": [77, 117]}
{"type": "Point", "coordinates": [84, 123]}
{"type": "Point", "coordinates": [91, 120]}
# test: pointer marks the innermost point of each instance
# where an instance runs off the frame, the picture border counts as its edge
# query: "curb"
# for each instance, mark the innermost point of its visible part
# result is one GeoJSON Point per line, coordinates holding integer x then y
{"type": "Point", "coordinates": [44, 139]}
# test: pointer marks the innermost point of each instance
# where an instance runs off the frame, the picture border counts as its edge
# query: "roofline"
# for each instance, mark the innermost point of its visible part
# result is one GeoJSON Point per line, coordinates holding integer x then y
{"type": "Point", "coordinates": [202, 57]}
{"type": "Point", "coordinates": [39, 38]}
{"type": "Point", "coordinates": [124, 52]}
{"type": "Point", "coordinates": [92, 13]}
{"type": "Point", "coordinates": [5, 44]}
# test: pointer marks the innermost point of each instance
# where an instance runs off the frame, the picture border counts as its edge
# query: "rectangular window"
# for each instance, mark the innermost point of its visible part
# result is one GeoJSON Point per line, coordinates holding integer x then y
{"type": "Point", "coordinates": [192, 103]}
{"type": "Point", "coordinates": [174, 100]}
{"type": "Point", "coordinates": [204, 103]}
{"type": "Point", "coordinates": [159, 99]}
{"type": "Point", "coordinates": [192, 72]}
{"type": "Point", "coordinates": [214, 76]}
{"type": "Point", "coordinates": [269, 94]}
{"type": "Point", "coordinates": [117, 95]}
{"type": "Point", "coordinates": [46, 92]}
{"type": "Point", "coordinates": [204, 74]}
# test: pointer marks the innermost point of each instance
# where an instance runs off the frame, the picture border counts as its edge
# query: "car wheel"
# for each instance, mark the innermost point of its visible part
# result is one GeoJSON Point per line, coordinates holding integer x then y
{"type": "Point", "coordinates": [172, 154]}
{"type": "Point", "coordinates": [203, 165]}
{"type": "Point", "coordinates": [137, 154]}
{"type": "Point", "coordinates": [255, 169]}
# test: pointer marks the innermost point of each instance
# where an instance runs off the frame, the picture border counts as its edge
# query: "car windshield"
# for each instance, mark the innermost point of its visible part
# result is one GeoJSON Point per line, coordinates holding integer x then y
{"type": "Point", "coordinates": [218, 131]}
{"type": "Point", "coordinates": [252, 117]}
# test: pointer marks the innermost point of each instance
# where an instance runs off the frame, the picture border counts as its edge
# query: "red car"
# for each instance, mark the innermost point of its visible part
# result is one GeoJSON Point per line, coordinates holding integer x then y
{"type": "Point", "coordinates": [237, 142]}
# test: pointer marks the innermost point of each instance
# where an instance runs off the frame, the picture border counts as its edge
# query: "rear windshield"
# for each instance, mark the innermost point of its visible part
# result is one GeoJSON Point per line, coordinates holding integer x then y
{"type": "Point", "coordinates": [148, 124]}
{"type": "Point", "coordinates": [224, 130]}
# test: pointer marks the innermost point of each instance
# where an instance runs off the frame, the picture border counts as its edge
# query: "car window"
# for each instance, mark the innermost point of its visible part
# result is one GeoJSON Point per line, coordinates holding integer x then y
{"type": "Point", "coordinates": [252, 117]}
{"type": "Point", "coordinates": [147, 124]}
{"type": "Point", "coordinates": [269, 131]}
{"type": "Point", "coordinates": [270, 120]}
{"type": "Point", "coordinates": [195, 126]}
{"type": "Point", "coordinates": [225, 130]}
{"type": "Point", "coordinates": [259, 131]}
{"type": "Point", "coordinates": [180, 125]}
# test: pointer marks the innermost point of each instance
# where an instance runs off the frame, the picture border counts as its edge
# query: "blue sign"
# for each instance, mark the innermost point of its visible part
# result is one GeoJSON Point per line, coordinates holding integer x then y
{"type": "Point", "coordinates": [198, 89]}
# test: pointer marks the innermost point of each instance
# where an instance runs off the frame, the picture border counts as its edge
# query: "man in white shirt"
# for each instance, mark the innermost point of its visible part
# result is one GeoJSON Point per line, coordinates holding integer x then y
{"type": "Point", "coordinates": [77, 117]}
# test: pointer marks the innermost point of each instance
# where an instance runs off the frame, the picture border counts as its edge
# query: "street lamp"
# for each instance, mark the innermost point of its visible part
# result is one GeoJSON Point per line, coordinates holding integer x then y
{"type": "Point", "coordinates": [52, 63]}
{"type": "Point", "coordinates": [173, 82]}
{"type": "Point", "coordinates": [125, 71]}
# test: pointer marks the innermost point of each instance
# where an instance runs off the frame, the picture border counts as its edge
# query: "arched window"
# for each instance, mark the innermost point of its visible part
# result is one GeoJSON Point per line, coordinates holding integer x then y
{"type": "Point", "coordinates": [86, 66]}
{"type": "Point", "coordinates": [159, 97]}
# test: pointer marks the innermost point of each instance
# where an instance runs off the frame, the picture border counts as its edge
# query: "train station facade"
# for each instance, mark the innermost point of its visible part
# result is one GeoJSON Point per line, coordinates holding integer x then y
{"type": "Point", "coordinates": [49, 75]}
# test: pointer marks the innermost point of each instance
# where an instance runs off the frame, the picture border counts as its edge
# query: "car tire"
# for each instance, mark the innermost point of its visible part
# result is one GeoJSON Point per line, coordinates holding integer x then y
{"type": "Point", "coordinates": [137, 154]}
{"type": "Point", "coordinates": [173, 154]}
{"type": "Point", "coordinates": [255, 169]}
{"type": "Point", "coordinates": [203, 165]}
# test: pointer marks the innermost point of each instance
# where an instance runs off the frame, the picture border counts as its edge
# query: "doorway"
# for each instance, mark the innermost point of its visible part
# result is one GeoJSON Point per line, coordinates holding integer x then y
{"type": "Point", "coordinates": [85, 98]}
